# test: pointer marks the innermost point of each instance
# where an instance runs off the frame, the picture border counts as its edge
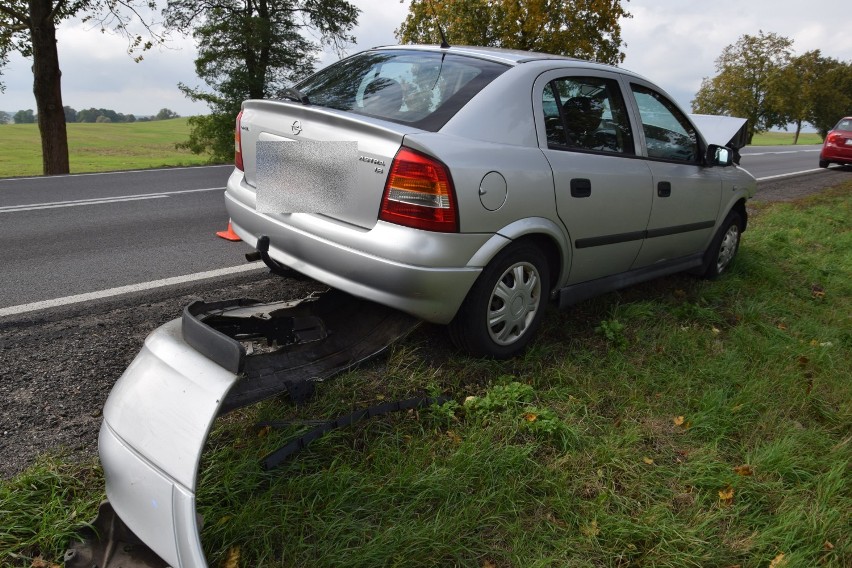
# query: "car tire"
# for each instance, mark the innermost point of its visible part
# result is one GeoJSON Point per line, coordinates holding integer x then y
{"type": "Point", "coordinates": [823, 163]}
{"type": "Point", "coordinates": [504, 308]}
{"type": "Point", "coordinates": [724, 247]}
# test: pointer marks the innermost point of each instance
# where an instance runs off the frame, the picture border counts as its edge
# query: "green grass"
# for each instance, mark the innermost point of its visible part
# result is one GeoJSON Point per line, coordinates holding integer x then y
{"type": "Point", "coordinates": [100, 147]}
{"type": "Point", "coordinates": [677, 423]}
{"type": "Point", "coordinates": [784, 138]}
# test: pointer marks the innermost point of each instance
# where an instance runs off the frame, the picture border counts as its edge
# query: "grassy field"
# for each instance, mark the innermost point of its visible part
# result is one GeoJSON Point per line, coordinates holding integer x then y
{"type": "Point", "coordinates": [100, 147]}
{"type": "Point", "coordinates": [679, 423]}
{"type": "Point", "coordinates": [784, 139]}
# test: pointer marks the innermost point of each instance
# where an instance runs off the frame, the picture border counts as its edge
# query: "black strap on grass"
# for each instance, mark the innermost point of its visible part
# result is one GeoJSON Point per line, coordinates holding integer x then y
{"type": "Point", "coordinates": [278, 457]}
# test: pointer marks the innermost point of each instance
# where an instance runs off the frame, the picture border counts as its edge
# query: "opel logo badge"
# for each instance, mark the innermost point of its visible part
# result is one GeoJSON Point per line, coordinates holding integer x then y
{"type": "Point", "coordinates": [296, 127]}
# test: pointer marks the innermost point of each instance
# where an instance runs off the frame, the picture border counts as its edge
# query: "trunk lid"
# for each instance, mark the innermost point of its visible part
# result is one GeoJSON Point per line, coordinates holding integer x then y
{"type": "Point", "coordinates": [339, 171]}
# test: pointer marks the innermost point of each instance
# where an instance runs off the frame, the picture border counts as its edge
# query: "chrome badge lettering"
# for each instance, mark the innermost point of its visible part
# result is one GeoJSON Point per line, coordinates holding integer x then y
{"type": "Point", "coordinates": [370, 160]}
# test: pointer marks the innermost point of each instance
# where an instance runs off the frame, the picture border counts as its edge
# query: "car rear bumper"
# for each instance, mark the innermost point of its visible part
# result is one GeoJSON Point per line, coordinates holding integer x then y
{"type": "Point", "coordinates": [426, 274]}
{"type": "Point", "coordinates": [156, 421]}
{"type": "Point", "coordinates": [841, 154]}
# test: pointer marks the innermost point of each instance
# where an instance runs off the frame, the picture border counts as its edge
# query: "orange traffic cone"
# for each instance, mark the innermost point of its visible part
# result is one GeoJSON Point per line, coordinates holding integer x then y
{"type": "Point", "coordinates": [228, 234]}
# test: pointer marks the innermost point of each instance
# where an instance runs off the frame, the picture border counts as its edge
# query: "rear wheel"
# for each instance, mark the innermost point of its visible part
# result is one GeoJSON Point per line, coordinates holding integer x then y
{"type": "Point", "coordinates": [503, 310]}
{"type": "Point", "coordinates": [725, 245]}
{"type": "Point", "coordinates": [823, 163]}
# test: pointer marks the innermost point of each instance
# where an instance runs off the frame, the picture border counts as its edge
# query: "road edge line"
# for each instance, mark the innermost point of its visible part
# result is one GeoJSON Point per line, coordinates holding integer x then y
{"type": "Point", "coordinates": [130, 288]}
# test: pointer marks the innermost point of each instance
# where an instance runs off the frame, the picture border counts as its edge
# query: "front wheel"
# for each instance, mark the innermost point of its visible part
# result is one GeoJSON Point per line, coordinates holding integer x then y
{"type": "Point", "coordinates": [504, 308]}
{"type": "Point", "coordinates": [725, 245]}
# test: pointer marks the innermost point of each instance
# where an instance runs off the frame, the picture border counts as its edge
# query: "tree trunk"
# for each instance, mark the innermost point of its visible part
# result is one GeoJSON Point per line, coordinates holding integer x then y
{"type": "Point", "coordinates": [48, 89]}
{"type": "Point", "coordinates": [798, 130]}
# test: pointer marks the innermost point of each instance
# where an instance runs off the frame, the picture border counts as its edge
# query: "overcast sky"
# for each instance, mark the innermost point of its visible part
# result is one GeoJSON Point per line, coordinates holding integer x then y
{"type": "Point", "coordinates": [672, 42]}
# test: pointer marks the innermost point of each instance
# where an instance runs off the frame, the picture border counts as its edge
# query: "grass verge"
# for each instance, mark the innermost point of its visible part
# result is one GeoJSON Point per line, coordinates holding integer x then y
{"type": "Point", "coordinates": [676, 423]}
{"type": "Point", "coordinates": [785, 138]}
{"type": "Point", "coordinates": [100, 147]}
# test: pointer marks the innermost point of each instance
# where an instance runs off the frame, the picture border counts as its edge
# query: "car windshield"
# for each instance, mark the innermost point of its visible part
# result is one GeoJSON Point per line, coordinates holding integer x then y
{"type": "Point", "coordinates": [421, 89]}
{"type": "Point", "coordinates": [845, 124]}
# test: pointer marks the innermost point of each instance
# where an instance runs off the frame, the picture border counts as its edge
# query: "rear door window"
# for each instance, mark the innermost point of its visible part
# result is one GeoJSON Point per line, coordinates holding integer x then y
{"type": "Point", "coordinates": [421, 89]}
{"type": "Point", "coordinates": [586, 113]}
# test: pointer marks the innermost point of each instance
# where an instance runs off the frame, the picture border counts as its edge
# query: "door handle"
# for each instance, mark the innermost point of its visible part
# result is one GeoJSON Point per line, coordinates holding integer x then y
{"type": "Point", "coordinates": [664, 189]}
{"type": "Point", "coordinates": [581, 187]}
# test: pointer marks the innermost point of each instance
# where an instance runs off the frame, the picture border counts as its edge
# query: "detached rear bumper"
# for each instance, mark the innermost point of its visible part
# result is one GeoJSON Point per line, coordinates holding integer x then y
{"type": "Point", "coordinates": [189, 371]}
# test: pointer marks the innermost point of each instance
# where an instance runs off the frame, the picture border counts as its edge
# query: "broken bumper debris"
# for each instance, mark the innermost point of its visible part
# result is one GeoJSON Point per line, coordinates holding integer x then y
{"type": "Point", "coordinates": [216, 358]}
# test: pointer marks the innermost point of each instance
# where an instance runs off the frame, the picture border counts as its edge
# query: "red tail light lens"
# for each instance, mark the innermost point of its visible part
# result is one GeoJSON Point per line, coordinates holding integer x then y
{"type": "Point", "coordinates": [419, 193]}
{"type": "Point", "coordinates": [835, 138]}
{"type": "Point", "coordinates": [238, 145]}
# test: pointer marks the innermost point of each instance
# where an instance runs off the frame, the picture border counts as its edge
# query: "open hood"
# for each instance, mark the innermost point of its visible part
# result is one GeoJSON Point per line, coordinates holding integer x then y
{"type": "Point", "coordinates": [722, 130]}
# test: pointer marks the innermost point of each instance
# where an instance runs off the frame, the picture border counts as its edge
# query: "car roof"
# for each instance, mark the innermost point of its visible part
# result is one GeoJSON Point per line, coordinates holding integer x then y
{"type": "Point", "coordinates": [501, 55]}
{"type": "Point", "coordinates": [512, 57]}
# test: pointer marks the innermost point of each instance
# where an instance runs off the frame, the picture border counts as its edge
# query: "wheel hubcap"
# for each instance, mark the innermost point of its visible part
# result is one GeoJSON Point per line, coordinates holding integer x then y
{"type": "Point", "coordinates": [514, 303]}
{"type": "Point", "coordinates": [728, 247]}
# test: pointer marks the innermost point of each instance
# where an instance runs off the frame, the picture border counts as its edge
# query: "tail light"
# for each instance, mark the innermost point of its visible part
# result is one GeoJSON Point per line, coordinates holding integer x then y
{"type": "Point", "coordinates": [835, 138]}
{"type": "Point", "coordinates": [419, 193]}
{"type": "Point", "coordinates": [238, 145]}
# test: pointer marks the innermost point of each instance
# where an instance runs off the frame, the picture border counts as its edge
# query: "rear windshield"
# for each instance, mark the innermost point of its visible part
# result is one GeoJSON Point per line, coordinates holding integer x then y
{"type": "Point", "coordinates": [844, 124]}
{"type": "Point", "coordinates": [420, 89]}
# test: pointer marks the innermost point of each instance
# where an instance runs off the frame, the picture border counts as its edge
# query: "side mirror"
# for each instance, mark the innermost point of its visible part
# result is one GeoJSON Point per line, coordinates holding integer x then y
{"type": "Point", "coordinates": [719, 155]}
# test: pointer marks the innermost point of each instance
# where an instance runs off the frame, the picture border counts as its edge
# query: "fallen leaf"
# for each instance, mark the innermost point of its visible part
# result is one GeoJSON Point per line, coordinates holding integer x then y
{"type": "Point", "coordinates": [488, 564]}
{"type": "Point", "coordinates": [827, 545]}
{"type": "Point", "coordinates": [263, 432]}
{"type": "Point", "coordinates": [726, 495]}
{"type": "Point", "coordinates": [817, 291]}
{"type": "Point", "coordinates": [648, 460]}
{"type": "Point", "coordinates": [744, 470]}
{"type": "Point", "coordinates": [39, 562]}
{"type": "Point", "coordinates": [454, 437]}
{"type": "Point", "coordinates": [814, 342]}
{"type": "Point", "coordinates": [782, 326]}
{"type": "Point", "coordinates": [778, 561]}
{"type": "Point", "coordinates": [530, 417]}
{"type": "Point", "coordinates": [716, 330]}
{"type": "Point", "coordinates": [678, 421]}
{"type": "Point", "coordinates": [803, 361]}
{"type": "Point", "coordinates": [591, 529]}
{"type": "Point", "coordinates": [233, 558]}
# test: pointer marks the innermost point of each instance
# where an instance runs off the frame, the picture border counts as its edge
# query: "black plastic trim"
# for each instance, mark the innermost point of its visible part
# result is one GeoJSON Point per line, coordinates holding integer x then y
{"type": "Point", "coordinates": [609, 239]}
{"type": "Point", "coordinates": [639, 235]}
{"type": "Point", "coordinates": [226, 352]}
{"type": "Point", "coordinates": [665, 231]}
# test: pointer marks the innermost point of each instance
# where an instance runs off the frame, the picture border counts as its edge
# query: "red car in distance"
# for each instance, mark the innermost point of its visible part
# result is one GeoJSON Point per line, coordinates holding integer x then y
{"type": "Point", "coordinates": [837, 147]}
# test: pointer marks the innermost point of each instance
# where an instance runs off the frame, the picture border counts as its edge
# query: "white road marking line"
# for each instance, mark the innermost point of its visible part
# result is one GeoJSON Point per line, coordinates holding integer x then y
{"type": "Point", "coordinates": [789, 174]}
{"type": "Point", "coordinates": [780, 152]}
{"type": "Point", "coordinates": [142, 286]}
{"type": "Point", "coordinates": [100, 201]}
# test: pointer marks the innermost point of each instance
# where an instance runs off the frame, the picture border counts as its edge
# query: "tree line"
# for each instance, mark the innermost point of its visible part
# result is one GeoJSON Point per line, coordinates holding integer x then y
{"type": "Point", "coordinates": [760, 78]}
{"type": "Point", "coordinates": [250, 49]}
{"type": "Point", "coordinates": [99, 115]}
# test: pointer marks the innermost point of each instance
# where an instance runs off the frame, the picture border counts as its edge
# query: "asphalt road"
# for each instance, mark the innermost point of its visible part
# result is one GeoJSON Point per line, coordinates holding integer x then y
{"type": "Point", "coordinates": [69, 235]}
{"type": "Point", "coordinates": [767, 162]}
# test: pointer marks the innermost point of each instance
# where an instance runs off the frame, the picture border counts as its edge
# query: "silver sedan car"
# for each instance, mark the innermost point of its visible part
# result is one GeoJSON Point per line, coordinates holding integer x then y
{"type": "Point", "coordinates": [472, 186]}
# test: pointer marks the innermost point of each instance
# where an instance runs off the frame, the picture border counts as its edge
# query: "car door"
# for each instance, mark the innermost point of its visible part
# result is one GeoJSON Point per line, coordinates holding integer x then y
{"type": "Point", "coordinates": [686, 195]}
{"type": "Point", "coordinates": [603, 193]}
